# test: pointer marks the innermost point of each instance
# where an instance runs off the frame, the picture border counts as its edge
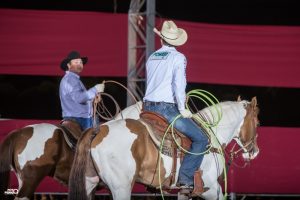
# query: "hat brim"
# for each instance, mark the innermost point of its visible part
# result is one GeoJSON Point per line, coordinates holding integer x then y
{"type": "Point", "coordinates": [64, 63]}
{"type": "Point", "coordinates": [180, 40]}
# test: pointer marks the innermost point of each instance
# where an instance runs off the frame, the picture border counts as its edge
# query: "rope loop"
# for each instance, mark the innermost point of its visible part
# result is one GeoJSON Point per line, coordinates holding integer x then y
{"type": "Point", "coordinates": [100, 108]}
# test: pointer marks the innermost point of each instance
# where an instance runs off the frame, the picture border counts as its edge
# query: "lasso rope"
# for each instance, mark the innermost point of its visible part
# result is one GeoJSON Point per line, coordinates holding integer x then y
{"type": "Point", "coordinates": [98, 102]}
{"type": "Point", "coordinates": [212, 103]}
{"type": "Point", "coordinates": [129, 92]}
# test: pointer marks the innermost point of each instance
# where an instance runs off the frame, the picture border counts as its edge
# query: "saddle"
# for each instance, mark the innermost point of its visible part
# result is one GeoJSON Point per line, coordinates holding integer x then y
{"type": "Point", "coordinates": [159, 125]}
{"type": "Point", "coordinates": [71, 131]}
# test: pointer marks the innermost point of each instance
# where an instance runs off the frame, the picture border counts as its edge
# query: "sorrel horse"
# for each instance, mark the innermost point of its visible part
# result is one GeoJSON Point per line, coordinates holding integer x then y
{"type": "Point", "coordinates": [123, 153]}
{"type": "Point", "coordinates": [39, 150]}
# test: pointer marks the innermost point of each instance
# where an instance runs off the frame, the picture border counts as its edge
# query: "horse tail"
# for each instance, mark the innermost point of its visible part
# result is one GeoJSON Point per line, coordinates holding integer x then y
{"type": "Point", "coordinates": [6, 155]}
{"type": "Point", "coordinates": [77, 174]}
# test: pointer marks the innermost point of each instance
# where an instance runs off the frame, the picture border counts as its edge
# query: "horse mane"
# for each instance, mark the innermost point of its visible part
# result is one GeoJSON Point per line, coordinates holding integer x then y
{"type": "Point", "coordinates": [231, 108]}
{"type": "Point", "coordinates": [231, 112]}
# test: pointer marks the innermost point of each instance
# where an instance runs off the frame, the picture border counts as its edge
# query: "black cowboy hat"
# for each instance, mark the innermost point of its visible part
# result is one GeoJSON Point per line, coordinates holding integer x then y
{"type": "Point", "coordinates": [72, 55]}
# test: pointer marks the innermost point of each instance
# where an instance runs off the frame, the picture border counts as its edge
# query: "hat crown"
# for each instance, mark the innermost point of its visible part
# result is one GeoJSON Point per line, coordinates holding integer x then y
{"type": "Point", "coordinates": [73, 55]}
{"type": "Point", "coordinates": [169, 30]}
{"type": "Point", "coordinates": [171, 34]}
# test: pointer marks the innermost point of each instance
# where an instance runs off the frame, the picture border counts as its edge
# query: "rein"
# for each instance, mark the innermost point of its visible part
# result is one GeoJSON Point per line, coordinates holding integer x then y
{"type": "Point", "coordinates": [242, 147]}
{"type": "Point", "coordinates": [233, 154]}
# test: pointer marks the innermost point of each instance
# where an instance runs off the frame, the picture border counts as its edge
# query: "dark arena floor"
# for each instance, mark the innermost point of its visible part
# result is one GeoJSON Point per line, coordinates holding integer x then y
{"type": "Point", "coordinates": [140, 197]}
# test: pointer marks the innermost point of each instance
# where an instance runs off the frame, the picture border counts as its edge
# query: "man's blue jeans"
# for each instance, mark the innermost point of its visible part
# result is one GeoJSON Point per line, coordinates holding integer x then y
{"type": "Point", "coordinates": [190, 129]}
{"type": "Point", "coordinates": [83, 122]}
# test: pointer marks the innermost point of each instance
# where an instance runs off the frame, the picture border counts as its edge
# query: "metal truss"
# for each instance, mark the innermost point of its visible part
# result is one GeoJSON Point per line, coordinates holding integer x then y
{"type": "Point", "coordinates": [141, 21]}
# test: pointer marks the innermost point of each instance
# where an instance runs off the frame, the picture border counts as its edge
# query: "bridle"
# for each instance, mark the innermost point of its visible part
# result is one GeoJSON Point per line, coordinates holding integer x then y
{"type": "Point", "coordinates": [245, 147]}
{"type": "Point", "coordinates": [233, 154]}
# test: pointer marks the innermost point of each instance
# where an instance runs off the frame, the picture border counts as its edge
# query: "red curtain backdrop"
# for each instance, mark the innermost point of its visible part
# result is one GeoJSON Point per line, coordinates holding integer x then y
{"type": "Point", "coordinates": [243, 55]}
{"type": "Point", "coordinates": [35, 42]}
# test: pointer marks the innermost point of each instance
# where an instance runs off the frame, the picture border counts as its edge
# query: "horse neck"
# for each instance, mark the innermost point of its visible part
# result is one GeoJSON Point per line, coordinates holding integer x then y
{"type": "Point", "coordinates": [232, 119]}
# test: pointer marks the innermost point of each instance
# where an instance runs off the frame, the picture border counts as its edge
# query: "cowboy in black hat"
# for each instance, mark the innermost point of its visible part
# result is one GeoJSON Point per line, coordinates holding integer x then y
{"type": "Point", "coordinates": [76, 100]}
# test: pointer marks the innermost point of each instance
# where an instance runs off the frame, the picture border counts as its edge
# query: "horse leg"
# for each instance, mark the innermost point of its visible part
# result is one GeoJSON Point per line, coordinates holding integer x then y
{"type": "Point", "coordinates": [119, 178]}
{"type": "Point", "coordinates": [90, 186]}
{"type": "Point", "coordinates": [118, 182]}
{"type": "Point", "coordinates": [214, 192]}
{"type": "Point", "coordinates": [123, 193]}
{"type": "Point", "coordinates": [27, 188]}
{"type": "Point", "coordinates": [29, 178]}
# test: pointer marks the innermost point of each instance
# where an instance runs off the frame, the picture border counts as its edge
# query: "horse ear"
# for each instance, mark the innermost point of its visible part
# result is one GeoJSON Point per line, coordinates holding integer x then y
{"type": "Point", "coordinates": [239, 98]}
{"type": "Point", "coordinates": [254, 102]}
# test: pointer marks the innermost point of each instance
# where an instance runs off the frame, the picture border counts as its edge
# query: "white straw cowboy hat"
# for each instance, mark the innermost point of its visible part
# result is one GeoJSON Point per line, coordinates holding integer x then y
{"type": "Point", "coordinates": [172, 34]}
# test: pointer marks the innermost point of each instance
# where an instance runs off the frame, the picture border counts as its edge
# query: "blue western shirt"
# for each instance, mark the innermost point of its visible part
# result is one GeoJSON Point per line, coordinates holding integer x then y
{"type": "Point", "coordinates": [76, 100]}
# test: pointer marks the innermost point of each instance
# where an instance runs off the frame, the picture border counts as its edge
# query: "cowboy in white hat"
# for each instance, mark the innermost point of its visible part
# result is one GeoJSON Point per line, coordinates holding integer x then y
{"type": "Point", "coordinates": [165, 94]}
{"type": "Point", "coordinates": [75, 99]}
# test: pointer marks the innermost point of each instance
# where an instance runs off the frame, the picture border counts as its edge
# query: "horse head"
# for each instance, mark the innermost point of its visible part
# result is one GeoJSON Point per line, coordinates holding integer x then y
{"type": "Point", "coordinates": [247, 138]}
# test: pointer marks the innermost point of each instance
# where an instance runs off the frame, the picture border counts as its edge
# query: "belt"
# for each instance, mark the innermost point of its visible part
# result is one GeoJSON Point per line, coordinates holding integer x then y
{"type": "Point", "coordinates": [153, 103]}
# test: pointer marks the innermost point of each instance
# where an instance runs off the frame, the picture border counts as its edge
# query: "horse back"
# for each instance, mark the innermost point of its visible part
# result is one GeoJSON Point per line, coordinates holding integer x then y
{"type": "Point", "coordinates": [128, 133]}
{"type": "Point", "coordinates": [127, 140]}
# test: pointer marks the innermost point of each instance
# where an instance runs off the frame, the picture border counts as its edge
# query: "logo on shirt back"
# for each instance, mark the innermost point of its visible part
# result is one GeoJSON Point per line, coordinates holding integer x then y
{"type": "Point", "coordinates": [160, 55]}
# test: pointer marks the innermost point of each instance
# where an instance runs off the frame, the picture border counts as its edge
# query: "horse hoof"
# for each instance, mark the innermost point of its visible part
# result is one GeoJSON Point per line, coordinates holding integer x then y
{"type": "Point", "coordinates": [185, 191]}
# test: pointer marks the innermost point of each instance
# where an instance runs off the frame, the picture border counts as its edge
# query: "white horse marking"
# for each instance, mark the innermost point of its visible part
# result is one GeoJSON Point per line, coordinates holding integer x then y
{"type": "Point", "coordinates": [91, 183]}
{"type": "Point", "coordinates": [36, 144]}
{"type": "Point", "coordinates": [168, 163]}
{"type": "Point", "coordinates": [19, 180]}
{"type": "Point", "coordinates": [115, 151]}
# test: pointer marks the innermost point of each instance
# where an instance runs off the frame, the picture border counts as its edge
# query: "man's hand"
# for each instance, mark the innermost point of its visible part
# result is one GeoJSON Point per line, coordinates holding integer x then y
{"type": "Point", "coordinates": [100, 87]}
{"type": "Point", "coordinates": [97, 98]}
{"type": "Point", "coordinates": [186, 113]}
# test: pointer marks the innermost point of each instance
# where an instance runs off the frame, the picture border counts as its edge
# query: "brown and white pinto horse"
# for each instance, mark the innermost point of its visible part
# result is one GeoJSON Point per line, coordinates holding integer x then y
{"type": "Point", "coordinates": [123, 153]}
{"type": "Point", "coordinates": [37, 151]}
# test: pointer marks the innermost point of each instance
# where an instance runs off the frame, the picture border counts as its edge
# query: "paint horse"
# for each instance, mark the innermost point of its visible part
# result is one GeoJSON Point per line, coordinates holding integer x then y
{"type": "Point", "coordinates": [123, 153]}
{"type": "Point", "coordinates": [36, 151]}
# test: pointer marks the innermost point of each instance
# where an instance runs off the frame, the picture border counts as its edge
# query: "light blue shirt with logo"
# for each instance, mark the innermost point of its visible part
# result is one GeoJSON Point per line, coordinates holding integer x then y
{"type": "Point", "coordinates": [166, 77]}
